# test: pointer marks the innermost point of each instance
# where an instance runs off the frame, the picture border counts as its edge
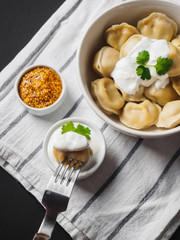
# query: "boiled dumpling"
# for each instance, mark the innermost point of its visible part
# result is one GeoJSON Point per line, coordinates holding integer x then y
{"type": "Point", "coordinates": [161, 95]}
{"type": "Point", "coordinates": [176, 41]}
{"type": "Point", "coordinates": [107, 96]}
{"type": "Point", "coordinates": [170, 115]}
{"type": "Point", "coordinates": [137, 97]}
{"type": "Point", "coordinates": [174, 54]}
{"type": "Point", "coordinates": [117, 35]}
{"type": "Point", "coordinates": [176, 84]}
{"type": "Point", "coordinates": [129, 44]}
{"type": "Point", "coordinates": [158, 26]}
{"type": "Point", "coordinates": [105, 61]}
{"type": "Point", "coordinates": [83, 155]}
{"type": "Point", "coordinates": [139, 115]}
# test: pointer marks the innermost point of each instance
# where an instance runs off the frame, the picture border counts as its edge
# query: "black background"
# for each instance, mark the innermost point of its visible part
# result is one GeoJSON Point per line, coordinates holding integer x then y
{"type": "Point", "coordinates": [20, 213]}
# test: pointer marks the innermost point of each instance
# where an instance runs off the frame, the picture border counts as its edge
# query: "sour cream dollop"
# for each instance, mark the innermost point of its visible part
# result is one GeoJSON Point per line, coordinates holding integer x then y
{"type": "Point", "coordinates": [124, 73]}
{"type": "Point", "coordinates": [70, 141]}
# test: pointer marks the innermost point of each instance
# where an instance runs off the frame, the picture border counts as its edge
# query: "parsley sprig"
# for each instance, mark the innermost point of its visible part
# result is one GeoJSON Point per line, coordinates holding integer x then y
{"type": "Point", "coordinates": [80, 129]}
{"type": "Point", "coordinates": [143, 72]}
{"type": "Point", "coordinates": [162, 66]}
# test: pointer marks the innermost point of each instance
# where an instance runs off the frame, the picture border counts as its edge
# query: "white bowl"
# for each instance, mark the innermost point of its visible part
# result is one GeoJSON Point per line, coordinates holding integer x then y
{"type": "Point", "coordinates": [93, 40]}
{"type": "Point", "coordinates": [97, 144]}
{"type": "Point", "coordinates": [46, 110]}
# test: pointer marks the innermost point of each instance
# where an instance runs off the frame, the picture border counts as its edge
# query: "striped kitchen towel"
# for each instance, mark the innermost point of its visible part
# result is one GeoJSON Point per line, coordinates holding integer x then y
{"type": "Point", "coordinates": [135, 193]}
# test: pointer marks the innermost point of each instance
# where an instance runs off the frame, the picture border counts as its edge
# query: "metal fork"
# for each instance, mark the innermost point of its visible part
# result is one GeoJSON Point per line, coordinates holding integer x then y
{"type": "Point", "coordinates": [56, 195]}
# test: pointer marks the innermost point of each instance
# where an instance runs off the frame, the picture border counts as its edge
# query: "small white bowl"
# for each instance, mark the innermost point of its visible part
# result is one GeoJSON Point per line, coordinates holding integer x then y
{"type": "Point", "coordinates": [93, 40]}
{"type": "Point", "coordinates": [97, 144]}
{"type": "Point", "coordinates": [46, 110]}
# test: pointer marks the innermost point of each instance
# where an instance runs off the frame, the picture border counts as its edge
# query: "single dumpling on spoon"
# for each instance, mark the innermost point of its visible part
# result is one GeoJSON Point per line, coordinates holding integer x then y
{"type": "Point", "coordinates": [72, 146]}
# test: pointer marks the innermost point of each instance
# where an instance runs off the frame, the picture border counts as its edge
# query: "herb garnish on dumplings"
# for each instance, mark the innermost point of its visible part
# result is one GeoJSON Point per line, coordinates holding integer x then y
{"type": "Point", "coordinates": [80, 129]}
{"type": "Point", "coordinates": [162, 66]}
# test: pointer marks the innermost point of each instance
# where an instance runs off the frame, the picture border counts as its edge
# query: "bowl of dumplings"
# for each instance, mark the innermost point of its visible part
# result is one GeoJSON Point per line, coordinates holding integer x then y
{"type": "Point", "coordinates": [129, 67]}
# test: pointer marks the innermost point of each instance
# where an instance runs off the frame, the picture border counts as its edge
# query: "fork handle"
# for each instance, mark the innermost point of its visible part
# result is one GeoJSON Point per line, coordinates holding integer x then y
{"type": "Point", "coordinates": [41, 236]}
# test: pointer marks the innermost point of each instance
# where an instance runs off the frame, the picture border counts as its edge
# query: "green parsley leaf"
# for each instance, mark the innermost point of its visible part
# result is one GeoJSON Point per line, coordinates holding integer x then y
{"type": "Point", "coordinates": [163, 65]}
{"type": "Point", "coordinates": [80, 129]}
{"type": "Point", "coordinates": [85, 131]}
{"type": "Point", "coordinates": [146, 74]}
{"type": "Point", "coordinates": [67, 127]}
{"type": "Point", "coordinates": [143, 57]}
{"type": "Point", "coordinates": [140, 70]}
{"type": "Point", "coordinates": [143, 72]}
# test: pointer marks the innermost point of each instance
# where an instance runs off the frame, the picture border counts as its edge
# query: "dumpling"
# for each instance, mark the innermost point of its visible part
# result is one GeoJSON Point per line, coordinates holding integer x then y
{"type": "Point", "coordinates": [174, 54]}
{"type": "Point", "coordinates": [161, 95]}
{"type": "Point", "coordinates": [117, 35]}
{"type": "Point", "coordinates": [129, 44]}
{"type": "Point", "coordinates": [83, 155]}
{"type": "Point", "coordinates": [158, 26]}
{"type": "Point", "coordinates": [139, 115]}
{"type": "Point", "coordinates": [107, 95]}
{"type": "Point", "coordinates": [170, 115]}
{"type": "Point", "coordinates": [176, 84]}
{"type": "Point", "coordinates": [105, 61]}
{"type": "Point", "coordinates": [137, 97]}
{"type": "Point", "coordinates": [176, 41]}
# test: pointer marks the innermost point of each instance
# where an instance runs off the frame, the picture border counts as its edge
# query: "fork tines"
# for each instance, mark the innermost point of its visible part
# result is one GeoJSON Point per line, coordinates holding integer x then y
{"type": "Point", "coordinates": [66, 169]}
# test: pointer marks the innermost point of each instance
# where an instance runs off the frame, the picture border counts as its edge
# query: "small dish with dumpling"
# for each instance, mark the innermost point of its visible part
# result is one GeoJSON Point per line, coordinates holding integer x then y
{"type": "Point", "coordinates": [75, 138]}
{"type": "Point", "coordinates": [132, 96]}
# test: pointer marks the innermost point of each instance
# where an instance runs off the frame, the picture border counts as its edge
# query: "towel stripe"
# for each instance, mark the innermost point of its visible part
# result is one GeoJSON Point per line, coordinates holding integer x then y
{"type": "Point", "coordinates": [29, 157]}
{"type": "Point", "coordinates": [105, 125]}
{"type": "Point", "coordinates": [110, 179]}
{"type": "Point", "coordinates": [13, 123]}
{"type": "Point", "coordinates": [5, 164]}
{"type": "Point", "coordinates": [145, 198]}
{"type": "Point", "coordinates": [74, 107]}
{"type": "Point", "coordinates": [40, 46]}
{"type": "Point", "coordinates": [31, 188]}
{"type": "Point", "coordinates": [68, 62]}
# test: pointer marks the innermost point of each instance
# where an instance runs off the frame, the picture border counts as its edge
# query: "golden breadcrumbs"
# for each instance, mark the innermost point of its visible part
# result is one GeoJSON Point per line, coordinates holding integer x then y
{"type": "Point", "coordinates": [40, 87]}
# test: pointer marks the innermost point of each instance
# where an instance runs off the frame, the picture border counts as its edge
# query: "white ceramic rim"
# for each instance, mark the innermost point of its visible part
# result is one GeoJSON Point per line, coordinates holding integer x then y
{"type": "Point", "coordinates": [92, 126]}
{"type": "Point", "coordinates": [48, 109]}
{"type": "Point", "coordinates": [121, 128]}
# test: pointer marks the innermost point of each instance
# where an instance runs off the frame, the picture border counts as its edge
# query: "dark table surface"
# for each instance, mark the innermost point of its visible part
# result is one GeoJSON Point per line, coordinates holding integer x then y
{"type": "Point", "coordinates": [20, 213]}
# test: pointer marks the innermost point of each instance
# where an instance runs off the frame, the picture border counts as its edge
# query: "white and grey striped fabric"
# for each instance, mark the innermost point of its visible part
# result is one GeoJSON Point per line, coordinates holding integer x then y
{"type": "Point", "coordinates": [136, 192]}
